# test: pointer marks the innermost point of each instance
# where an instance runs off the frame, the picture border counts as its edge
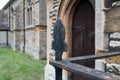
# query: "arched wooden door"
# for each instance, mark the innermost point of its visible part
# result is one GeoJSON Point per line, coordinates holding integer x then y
{"type": "Point", "coordinates": [83, 31]}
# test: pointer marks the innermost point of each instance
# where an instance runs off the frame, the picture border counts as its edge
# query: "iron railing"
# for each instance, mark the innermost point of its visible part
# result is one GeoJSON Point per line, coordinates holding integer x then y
{"type": "Point", "coordinates": [89, 73]}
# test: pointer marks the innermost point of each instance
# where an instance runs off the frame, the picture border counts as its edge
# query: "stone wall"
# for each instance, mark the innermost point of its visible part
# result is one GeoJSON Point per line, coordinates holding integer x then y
{"type": "Point", "coordinates": [114, 42]}
{"type": "Point", "coordinates": [21, 40]}
{"type": "Point", "coordinates": [1, 17]}
{"type": "Point", "coordinates": [36, 32]}
{"type": "Point", "coordinates": [3, 39]}
{"type": "Point", "coordinates": [35, 38]}
{"type": "Point", "coordinates": [16, 23]}
{"type": "Point", "coordinates": [112, 19]}
{"type": "Point", "coordinates": [43, 43]}
{"type": "Point", "coordinates": [36, 42]}
{"type": "Point", "coordinates": [6, 18]}
{"type": "Point", "coordinates": [19, 15]}
{"type": "Point", "coordinates": [11, 39]}
{"type": "Point", "coordinates": [42, 12]}
{"type": "Point", "coordinates": [16, 40]}
{"type": "Point", "coordinates": [30, 41]}
{"type": "Point", "coordinates": [112, 26]}
{"type": "Point", "coordinates": [35, 13]}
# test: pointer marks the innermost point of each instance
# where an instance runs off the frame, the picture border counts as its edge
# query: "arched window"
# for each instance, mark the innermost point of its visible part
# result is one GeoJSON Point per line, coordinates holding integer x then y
{"type": "Point", "coordinates": [29, 16]}
{"type": "Point", "coordinates": [13, 18]}
{"type": "Point", "coordinates": [29, 13]}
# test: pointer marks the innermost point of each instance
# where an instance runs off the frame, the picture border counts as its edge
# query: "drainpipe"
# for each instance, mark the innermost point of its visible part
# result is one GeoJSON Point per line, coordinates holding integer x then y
{"type": "Point", "coordinates": [39, 12]}
{"type": "Point", "coordinates": [7, 39]}
{"type": "Point", "coordinates": [24, 42]}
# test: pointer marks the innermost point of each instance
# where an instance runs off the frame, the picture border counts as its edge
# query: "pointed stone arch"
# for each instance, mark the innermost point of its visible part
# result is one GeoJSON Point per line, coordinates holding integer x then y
{"type": "Point", "coordinates": [69, 5]}
{"type": "Point", "coordinates": [65, 12]}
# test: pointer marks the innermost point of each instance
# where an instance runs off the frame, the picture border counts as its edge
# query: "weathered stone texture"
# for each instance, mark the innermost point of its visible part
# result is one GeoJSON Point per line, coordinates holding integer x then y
{"type": "Point", "coordinates": [42, 12]}
{"type": "Point", "coordinates": [16, 41]}
{"type": "Point", "coordinates": [21, 40]}
{"type": "Point", "coordinates": [11, 39]}
{"type": "Point", "coordinates": [30, 41]}
{"type": "Point", "coordinates": [114, 41]}
{"type": "Point", "coordinates": [35, 38]}
{"type": "Point", "coordinates": [43, 43]}
{"type": "Point", "coordinates": [35, 10]}
{"type": "Point", "coordinates": [112, 20]}
{"type": "Point", "coordinates": [2, 39]}
{"type": "Point", "coordinates": [17, 14]}
{"type": "Point", "coordinates": [101, 38]}
{"type": "Point", "coordinates": [36, 43]}
{"type": "Point", "coordinates": [2, 17]}
{"type": "Point", "coordinates": [6, 18]}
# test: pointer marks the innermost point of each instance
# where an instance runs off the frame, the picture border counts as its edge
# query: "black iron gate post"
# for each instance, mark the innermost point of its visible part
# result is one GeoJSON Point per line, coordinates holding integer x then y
{"type": "Point", "coordinates": [59, 45]}
{"type": "Point", "coordinates": [58, 71]}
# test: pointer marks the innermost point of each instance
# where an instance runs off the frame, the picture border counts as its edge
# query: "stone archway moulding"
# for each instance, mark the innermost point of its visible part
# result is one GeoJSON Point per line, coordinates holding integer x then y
{"type": "Point", "coordinates": [65, 12]}
{"type": "Point", "coordinates": [69, 5]}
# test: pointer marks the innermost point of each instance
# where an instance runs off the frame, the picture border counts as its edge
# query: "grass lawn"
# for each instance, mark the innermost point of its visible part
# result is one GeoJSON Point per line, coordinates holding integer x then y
{"type": "Point", "coordinates": [18, 66]}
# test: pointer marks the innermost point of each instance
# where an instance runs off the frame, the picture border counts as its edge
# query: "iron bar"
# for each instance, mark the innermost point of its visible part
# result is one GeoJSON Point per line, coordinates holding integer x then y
{"type": "Point", "coordinates": [24, 36]}
{"type": "Point", "coordinates": [89, 73]}
{"type": "Point", "coordinates": [93, 57]}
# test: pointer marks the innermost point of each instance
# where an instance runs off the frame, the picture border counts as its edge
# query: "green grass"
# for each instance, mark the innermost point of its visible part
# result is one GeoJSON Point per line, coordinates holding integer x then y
{"type": "Point", "coordinates": [18, 66]}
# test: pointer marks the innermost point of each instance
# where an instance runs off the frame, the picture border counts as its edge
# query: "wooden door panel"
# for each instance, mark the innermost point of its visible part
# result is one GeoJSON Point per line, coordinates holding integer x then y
{"type": "Point", "coordinates": [83, 29]}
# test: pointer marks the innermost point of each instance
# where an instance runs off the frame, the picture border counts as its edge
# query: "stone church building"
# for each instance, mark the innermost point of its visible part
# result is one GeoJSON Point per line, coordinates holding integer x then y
{"type": "Point", "coordinates": [3, 30]}
{"type": "Point", "coordinates": [27, 22]}
{"type": "Point", "coordinates": [91, 27]}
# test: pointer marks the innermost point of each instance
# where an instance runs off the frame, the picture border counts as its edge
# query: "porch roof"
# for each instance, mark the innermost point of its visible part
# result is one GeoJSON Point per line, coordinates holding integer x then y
{"type": "Point", "coordinates": [4, 27]}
